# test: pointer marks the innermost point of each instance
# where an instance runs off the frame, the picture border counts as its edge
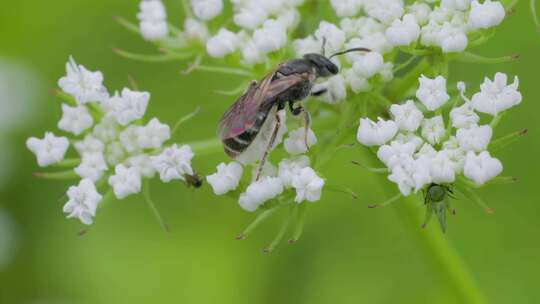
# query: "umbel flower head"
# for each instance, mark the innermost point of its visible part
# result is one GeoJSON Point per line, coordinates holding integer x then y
{"type": "Point", "coordinates": [423, 152]}
{"type": "Point", "coordinates": [113, 142]}
{"type": "Point", "coordinates": [260, 29]}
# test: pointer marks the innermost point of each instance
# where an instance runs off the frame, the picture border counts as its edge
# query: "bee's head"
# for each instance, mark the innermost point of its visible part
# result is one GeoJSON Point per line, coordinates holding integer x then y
{"type": "Point", "coordinates": [323, 65]}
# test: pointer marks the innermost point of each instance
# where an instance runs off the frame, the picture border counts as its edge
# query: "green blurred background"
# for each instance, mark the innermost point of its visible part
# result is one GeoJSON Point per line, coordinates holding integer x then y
{"type": "Point", "coordinates": [348, 254]}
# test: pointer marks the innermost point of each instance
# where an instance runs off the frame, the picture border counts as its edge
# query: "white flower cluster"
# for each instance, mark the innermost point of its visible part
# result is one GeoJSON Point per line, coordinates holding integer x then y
{"type": "Point", "coordinates": [383, 25]}
{"type": "Point", "coordinates": [292, 173]}
{"type": "Point", "coordinates": [111, 139]}
{"type": "Point", "coordinates": [264, 28]}
{"type": "Point", "coordinates": [153, 20]}
{"type": "Point", "coordinates": [419, 149]}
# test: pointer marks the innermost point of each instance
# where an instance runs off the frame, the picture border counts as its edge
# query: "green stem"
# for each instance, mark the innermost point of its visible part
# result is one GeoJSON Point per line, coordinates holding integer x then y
{"type": "Point", "coordinates": [468, 57]}
{"type": "Point", "coordinates": [224, 70]}
{"type": "Point", "coordinates": [68, 163]}
{"type": "Point", "coordinates": [258, 220]}
{"type": "Point", "coordinates": [281, 232]}
{"type": "Point", "coordinates": [206, 146]}
{"type": "Point", "coordinates": [535, 16]}
{"type": "Point", "coordinates": [61, 175]}
{"type": "Point", "coordinates": [184, 119]}
{"type": "Point", "coordinates": [442, 254]}
{"type": "Point", "coordinates": [152, 205]}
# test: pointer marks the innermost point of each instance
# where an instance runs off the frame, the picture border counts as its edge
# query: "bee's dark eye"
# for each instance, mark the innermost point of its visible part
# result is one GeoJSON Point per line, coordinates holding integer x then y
{"type": "Point", "coordinates": [332, 68]}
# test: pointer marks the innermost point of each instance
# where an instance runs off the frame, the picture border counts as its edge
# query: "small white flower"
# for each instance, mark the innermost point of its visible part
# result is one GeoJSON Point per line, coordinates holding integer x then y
{"type": "Point", "coordinates": [151, 10]}
{"type": "Point", "coordinates": [369, 64]}
{"type": "Point", "coordinates": [392, 154]}
{"type": "Point", "coordinates": [89, 144]}
{"type": "Point", "coordinates": [335, 37]}
{"type": "Point", "coordinates": [442, 168]}
{"type": "Point", "coordinates": [407, 116]}
{"type": "Point", "coordinates": [259, 192]}
{"type": "Point", "coordinates": [271, 37]}
{"type": "Point", "coordinates": [226, 178]}
{"type": "Point", "coordinates": [482, 167]}
{"type": "Point", "coordinates": [206, 9]}
{"type": "Point", "coordinates": [455, 154]}
{"type": "Point", "coordinates": [153, 20]}
{"type": "Point", "coordinates": [173, 163]}
{"type": "Point", "coordinates": [289, 168]}
{"type": "Point", "coordinates": [143, 164]}
{"type": "Point", "coordinates": [92, 166]}
{"type": "Point", "coordinates": [463, 116]}
{"type": "Point", "coordinates": [295, 143]}
{"type": "Point", "coordinates": [153, 135]}
{"type": "Point", "coordinates": [496, 96]}
{"type": "Point", "coordinates": [460, 5]}
{"type": "Point", "coordinates": [289, 18]}
{"type": "Point", "coordinates": [420, 11]}
{"type": "Point", "coordinates": [83, 201]}
{"type": "Point", "coordinates": [385, 11]}
{"type": "Point", "coordinates": [432, 92]}
{"type": "Point", "coordinates": [129, 106]}
{"type": "Point", "coordinates": [336, 90]}
{"type": "Point", "coordinates": [106, 130]}
{"type": "Point", "coordinates": [485, 15]}
{"type": "Point", "coordinates": [251, 54]}
{"type": "Point", "coordinates": [357, 83]}
{"type": "Point", "coordinates": [346, 8]}
{"type": "Point", "coordinates": [125, 181]}
{"type": "Point", "coordinates": [75, 119]}
{"type": "Point", "coordinates": [410, 174]}
{"type": "Point", "coordinates": [426, 152]}
{"type": "Point", "coordinates": [307, 45]}
{"type": "Point", "coordinates": [114, 153]}
{"type": "Point", "coordinates": [85, 86]}
{"type": "Point", "coordinates": [251, 16]}
{"type": "Point", "coordinates": [452, 38]}
{"type": "Point", "coordinates": [475, 138]}
{"type": "Point", "coordinates": [224, 43]}
{"type": "Point", "coordinates": [433, 129]}
{"type": "Point", "coordinates": [49, 150]}
{"type": "Point", "coordinates": [410, 137]}
{"type": "Point", "coordinates": [154, 30]}
{"type": "Point", "coordinates": [130, 138]}
{"type": "Point", "coordinates": [403, 32]}
{"type": "Point", "coordinates": [372, 133]}
{"type": "Point", "coordinates": [194, 29]}
{"type": "Point", "coordinates": [308, 185]}
{"type": "Point", "coordinates": [275, 7]}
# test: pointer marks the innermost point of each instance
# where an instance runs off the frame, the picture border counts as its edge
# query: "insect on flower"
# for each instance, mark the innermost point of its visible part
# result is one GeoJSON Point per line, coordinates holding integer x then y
{"type": "Point", "coordinates": [289, 83]}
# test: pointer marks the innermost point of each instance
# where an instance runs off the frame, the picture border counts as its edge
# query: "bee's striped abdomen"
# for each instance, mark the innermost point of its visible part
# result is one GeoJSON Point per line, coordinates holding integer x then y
{"type": "Point", "coordinates": [234, 146]}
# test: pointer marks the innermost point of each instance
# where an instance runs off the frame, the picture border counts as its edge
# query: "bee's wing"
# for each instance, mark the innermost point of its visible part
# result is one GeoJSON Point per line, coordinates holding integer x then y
{"type": "Point", "coordinates": [242, 115]}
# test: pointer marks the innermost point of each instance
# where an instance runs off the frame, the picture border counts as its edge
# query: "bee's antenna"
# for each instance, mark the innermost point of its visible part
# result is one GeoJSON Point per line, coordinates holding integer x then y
{"type": "Point", "coordinates": [323, 45]}
{"type": "Point", "coordinates": [359, 49]}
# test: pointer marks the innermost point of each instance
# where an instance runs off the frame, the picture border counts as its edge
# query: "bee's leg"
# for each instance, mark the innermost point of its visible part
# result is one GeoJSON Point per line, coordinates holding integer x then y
{"type": "Point", "coordinates": [319, 92]}
{"type": "Point", "coordinates": [307, 120]}
{"type": "Point", "coordinates": [269, 147]}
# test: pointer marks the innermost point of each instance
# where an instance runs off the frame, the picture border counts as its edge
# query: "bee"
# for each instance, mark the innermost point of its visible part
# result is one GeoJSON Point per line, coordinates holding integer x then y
{"type": "Point", "coordinates": [287, 85]}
